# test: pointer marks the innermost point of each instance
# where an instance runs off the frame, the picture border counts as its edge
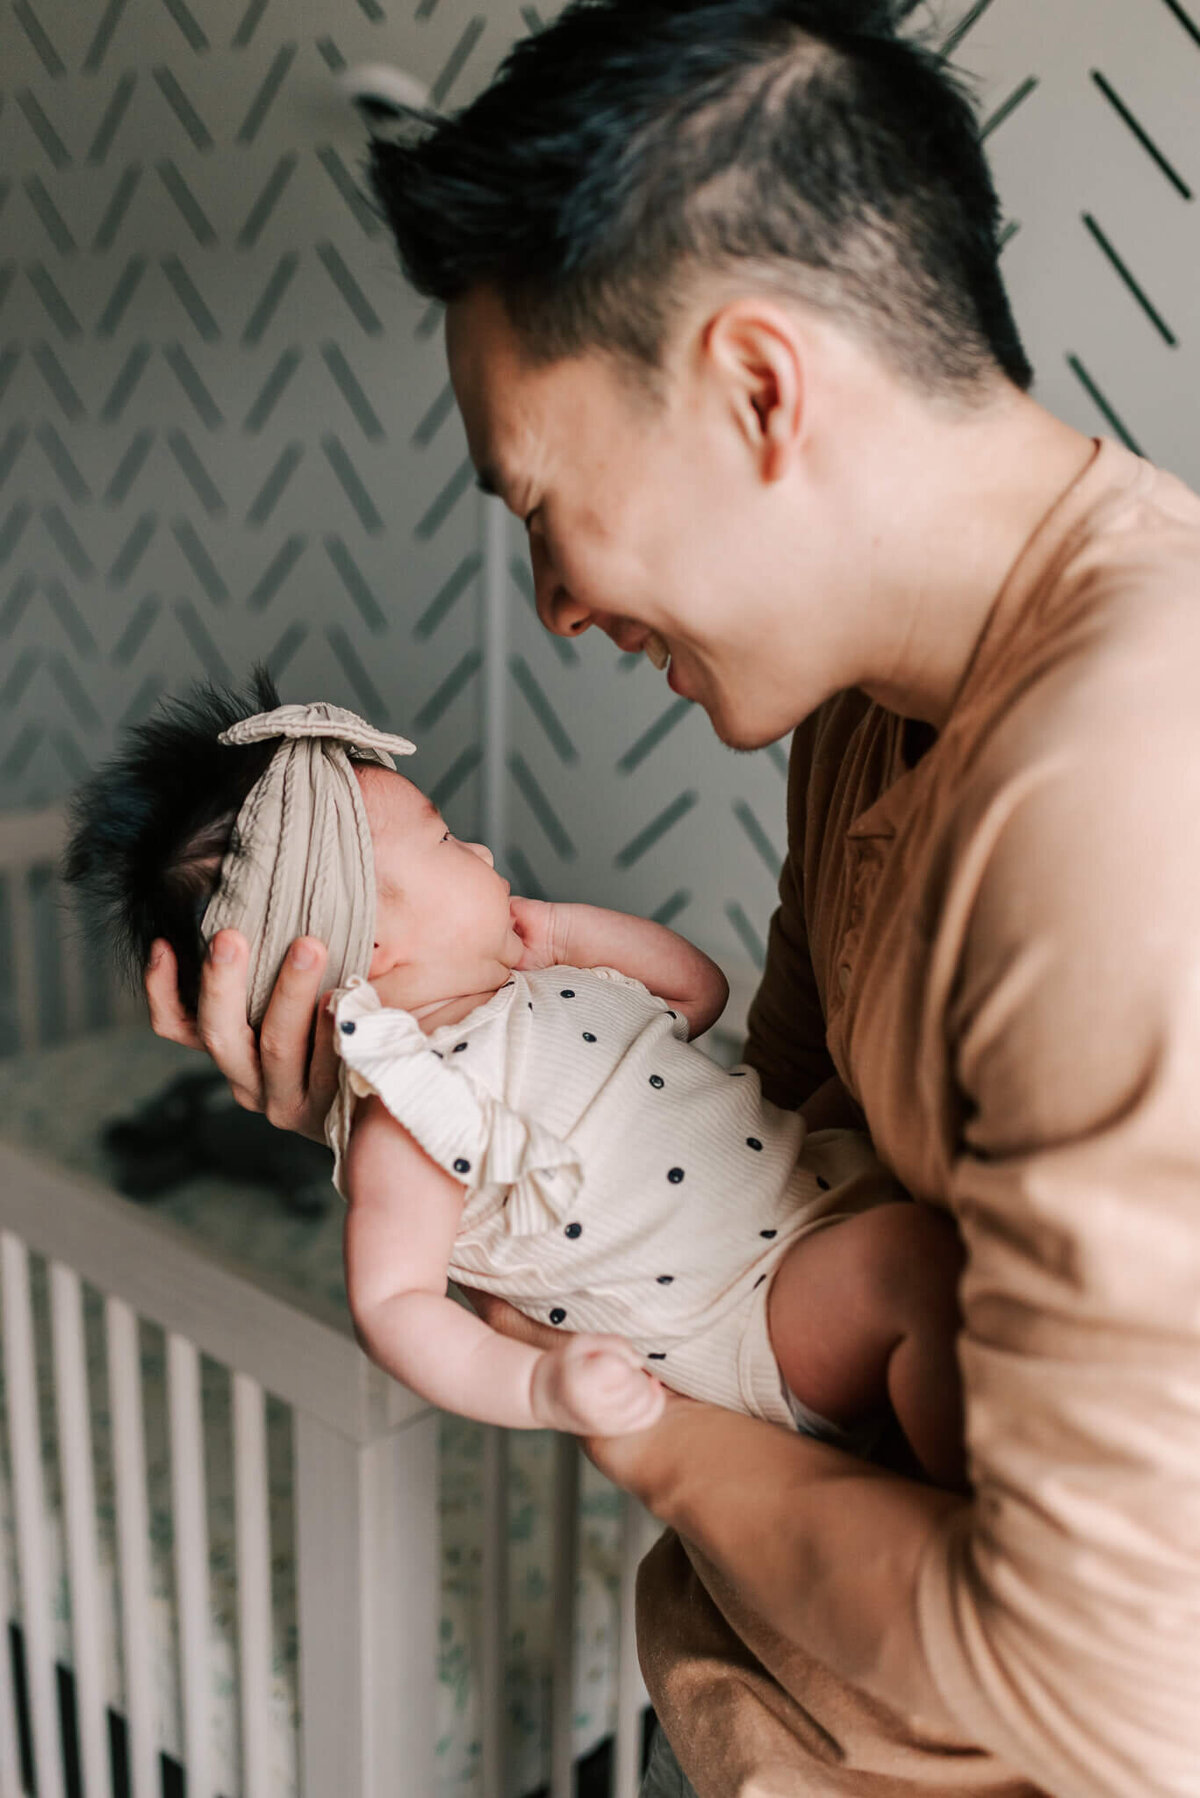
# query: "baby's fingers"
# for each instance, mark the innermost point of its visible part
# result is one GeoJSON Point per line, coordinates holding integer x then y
{"type": "Point", "coordinates": [633, 1401]}
{"type": "Point", "coordinates": [617, 1346]}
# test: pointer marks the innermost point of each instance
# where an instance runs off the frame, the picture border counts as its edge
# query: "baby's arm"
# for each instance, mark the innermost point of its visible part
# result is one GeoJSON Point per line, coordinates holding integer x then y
{"type": "Point", "coordinates": [403, 1214]}
{"type": "Point", "coordinates": [587, 936]}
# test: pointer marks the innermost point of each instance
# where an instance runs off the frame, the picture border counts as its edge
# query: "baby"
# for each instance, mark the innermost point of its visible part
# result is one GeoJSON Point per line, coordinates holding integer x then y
{"type": "Point", "coordinates": [520, 1109]}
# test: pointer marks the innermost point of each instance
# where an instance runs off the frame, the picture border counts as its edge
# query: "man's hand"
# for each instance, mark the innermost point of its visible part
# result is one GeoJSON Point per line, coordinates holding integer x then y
{"type": "Point", "coordinates": [289, 1071]}
{"type": "Point", "coordinates": [539, 926]}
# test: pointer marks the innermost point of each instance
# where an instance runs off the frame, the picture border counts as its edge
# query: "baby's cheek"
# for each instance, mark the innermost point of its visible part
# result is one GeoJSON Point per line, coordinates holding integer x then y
{"type": "Point", "coordinates": [383, 933]}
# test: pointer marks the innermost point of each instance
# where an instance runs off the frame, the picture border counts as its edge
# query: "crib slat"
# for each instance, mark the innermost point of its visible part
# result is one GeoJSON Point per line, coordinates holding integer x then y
{"type": "Point", "coordinates": [253, 1581]}
{"type": "Point", "coordinates": [71, 953]}
{"type": "Point", "coordinates": [564, 1567]}
{"type": "Point", "coordinates": [631, 1692]}
{"type": "Point", "coordinates": [79, 1503]}
{"type": "Point", "coordinates": [10, 1778]}
{"type": "Point", "coordinates": [133, 1540]}
{"type": "Point", "coordinates": [189, 1503]}
{"type": "Point", "coordinates": [25, 1447]}
{"type": "Point", "coordinates": [24, 959]}
{"type": "Point", "coordinates": [494, 1591]}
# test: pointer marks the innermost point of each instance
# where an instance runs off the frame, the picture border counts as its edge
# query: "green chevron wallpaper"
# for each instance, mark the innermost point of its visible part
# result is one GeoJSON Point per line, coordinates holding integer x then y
{"type": "Point", "coordinates": [226, 430]}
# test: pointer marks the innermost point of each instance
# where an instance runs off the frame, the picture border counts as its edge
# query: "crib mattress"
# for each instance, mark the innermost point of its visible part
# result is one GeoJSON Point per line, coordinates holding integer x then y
{"type": "Point", "coordinates": [53, 1105]}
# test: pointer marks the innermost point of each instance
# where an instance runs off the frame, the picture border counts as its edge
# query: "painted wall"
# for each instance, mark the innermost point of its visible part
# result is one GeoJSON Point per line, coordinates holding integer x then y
{"type": "Point", "coordinates": [226, 431]}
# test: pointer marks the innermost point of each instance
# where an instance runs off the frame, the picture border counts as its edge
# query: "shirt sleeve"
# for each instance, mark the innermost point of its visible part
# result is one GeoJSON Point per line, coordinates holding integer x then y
{"type": "Point", "coordinates": [786, 1027]}
{"type": "Point", "coordinates": [1060, 1615]}
{"type": "Point", "coordinates": [459, 1123]}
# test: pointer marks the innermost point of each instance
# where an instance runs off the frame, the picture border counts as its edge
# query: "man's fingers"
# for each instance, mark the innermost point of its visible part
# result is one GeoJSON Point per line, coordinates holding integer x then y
{"type": "Point", "coordinates": [221, 1017]}
{"type": "Point", "coordinates": [167, 1016]}
{"type": "Point", "coordinates": [323, 1068]}
{"type": "Point", "coordinates": [286, 1039]}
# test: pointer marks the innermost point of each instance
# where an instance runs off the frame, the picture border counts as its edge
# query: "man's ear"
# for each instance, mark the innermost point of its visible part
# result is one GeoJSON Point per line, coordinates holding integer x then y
{"type": "Point", "coordinates": [754, 351]}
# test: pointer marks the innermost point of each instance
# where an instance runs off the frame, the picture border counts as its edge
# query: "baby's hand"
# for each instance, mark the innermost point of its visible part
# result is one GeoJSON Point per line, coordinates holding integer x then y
{"type": "Point", "coordinates": [535, 922]}
{"type": "Point", "coordinates": [595, 1386]}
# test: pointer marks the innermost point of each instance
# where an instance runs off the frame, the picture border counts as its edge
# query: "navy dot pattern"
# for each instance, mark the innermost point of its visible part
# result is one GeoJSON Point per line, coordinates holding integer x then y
{"type": "Point", "coordinates": [599, 1043]}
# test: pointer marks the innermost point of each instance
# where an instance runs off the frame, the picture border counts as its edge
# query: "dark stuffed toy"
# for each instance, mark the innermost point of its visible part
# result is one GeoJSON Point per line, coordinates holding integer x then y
{"type": "Point", "coordinates": [193, 1126]}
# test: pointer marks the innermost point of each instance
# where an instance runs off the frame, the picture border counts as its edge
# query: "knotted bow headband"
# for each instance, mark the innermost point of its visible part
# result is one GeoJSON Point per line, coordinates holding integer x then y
{"type": "Point", "coordinates": [300, 862]}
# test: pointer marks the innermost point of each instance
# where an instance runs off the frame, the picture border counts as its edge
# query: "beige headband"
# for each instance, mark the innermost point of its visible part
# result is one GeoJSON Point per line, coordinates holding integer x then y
{"type": "Point", "coordinates": [302, 863]}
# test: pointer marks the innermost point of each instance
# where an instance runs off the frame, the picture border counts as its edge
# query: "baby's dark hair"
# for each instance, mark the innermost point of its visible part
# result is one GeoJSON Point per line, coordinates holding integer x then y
{"type": "Point", "coordinates": [150, 828]}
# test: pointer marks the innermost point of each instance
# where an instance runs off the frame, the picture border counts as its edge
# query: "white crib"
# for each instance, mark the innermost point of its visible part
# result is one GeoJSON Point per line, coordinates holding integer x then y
{"type": "Point", "coordinates": [364, 1487]}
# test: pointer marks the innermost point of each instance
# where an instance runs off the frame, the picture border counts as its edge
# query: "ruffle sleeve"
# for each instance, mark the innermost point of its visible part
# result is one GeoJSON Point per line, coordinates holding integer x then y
{"type": "Point", "coordinates": [464, 1128]}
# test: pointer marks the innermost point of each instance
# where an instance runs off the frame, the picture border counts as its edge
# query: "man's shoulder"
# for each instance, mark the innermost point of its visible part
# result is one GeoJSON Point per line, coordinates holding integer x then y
{"type": "Point", "coordinates": [1091, 697]}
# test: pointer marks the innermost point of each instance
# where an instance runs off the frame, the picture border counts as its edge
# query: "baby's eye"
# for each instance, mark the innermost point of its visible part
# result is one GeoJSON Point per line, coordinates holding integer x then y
{"type": "Point", "coordinates": [446, 838]}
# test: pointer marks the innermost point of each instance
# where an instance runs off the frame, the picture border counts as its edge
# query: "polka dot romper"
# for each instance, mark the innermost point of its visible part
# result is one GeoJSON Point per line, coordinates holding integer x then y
{"type": "Point", "coordinates": [616, 1178]}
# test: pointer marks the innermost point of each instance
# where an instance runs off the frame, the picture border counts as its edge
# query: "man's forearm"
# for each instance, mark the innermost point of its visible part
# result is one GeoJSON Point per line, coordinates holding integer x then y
{"type": "Point", "coordinates": [822, 1547]}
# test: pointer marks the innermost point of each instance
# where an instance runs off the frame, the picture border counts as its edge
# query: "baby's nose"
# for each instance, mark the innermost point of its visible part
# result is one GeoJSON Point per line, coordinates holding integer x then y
{"type": "Point", "coordinates": [484, 853]}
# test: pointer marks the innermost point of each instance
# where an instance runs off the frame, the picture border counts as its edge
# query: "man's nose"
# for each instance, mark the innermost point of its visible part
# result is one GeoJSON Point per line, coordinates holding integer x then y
{"type": "Point", "coordinates": [557, 607]}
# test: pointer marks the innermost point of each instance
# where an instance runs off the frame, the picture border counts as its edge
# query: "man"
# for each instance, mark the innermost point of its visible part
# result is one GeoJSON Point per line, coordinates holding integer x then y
{"type": "Point", "coordinates": [726, 329]}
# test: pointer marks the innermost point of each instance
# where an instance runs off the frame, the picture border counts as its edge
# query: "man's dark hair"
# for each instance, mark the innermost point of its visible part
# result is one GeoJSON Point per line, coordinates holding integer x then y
{"type": "Point", "coordinates": [150, 829]}
{"type": "Point", "coordinates": [634, 144]}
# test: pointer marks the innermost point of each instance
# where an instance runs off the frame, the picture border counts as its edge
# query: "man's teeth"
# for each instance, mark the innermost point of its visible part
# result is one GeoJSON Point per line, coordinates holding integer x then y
{"type": "Point", "coordinates": [657, 650]}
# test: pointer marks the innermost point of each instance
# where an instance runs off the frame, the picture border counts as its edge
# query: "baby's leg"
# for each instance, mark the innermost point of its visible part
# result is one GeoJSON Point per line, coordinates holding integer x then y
{"type": "Point", "coordinates": [867, 1310]}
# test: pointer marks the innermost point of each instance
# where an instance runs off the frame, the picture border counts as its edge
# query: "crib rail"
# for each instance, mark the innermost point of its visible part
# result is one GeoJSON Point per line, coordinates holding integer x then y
{"type": "Point", "coordinates": [366, 1522]}
{"type": "Point", "coordinates": [51, 987]}
{"type": "Point", "coordinates": [365, 1495]}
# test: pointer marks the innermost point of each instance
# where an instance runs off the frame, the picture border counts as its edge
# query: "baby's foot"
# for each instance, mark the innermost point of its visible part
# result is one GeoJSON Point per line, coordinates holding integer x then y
{"type": "Point", "coordinates": [595, 1386]}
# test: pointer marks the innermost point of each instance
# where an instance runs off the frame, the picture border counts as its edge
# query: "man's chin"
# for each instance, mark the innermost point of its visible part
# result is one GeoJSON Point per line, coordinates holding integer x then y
{"type": "Point", "coordinates": [738, 734]}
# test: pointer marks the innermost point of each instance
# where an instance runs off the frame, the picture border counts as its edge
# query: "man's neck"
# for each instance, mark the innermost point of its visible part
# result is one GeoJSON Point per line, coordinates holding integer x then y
{"type": "Point", "coordinates": [943, 550]}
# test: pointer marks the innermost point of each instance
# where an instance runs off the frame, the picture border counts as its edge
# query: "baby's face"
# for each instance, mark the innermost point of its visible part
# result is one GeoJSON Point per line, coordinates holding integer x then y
{"type": "Point", "coordinates": [439, 901]}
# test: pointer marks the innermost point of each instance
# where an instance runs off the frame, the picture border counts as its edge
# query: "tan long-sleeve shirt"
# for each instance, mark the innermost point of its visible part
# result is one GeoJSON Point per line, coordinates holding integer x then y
{"type": "Point", "coordinates": [998, 950]}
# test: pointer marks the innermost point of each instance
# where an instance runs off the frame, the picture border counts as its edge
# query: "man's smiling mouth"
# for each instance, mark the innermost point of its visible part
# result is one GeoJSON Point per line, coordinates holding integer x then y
{"type": "Point", "coordinates": [656, 651]}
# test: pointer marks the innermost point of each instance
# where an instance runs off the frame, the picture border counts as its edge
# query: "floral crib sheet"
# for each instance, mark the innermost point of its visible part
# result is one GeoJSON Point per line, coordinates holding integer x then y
{"type": "Point", "coordinates": [53, 1105]}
